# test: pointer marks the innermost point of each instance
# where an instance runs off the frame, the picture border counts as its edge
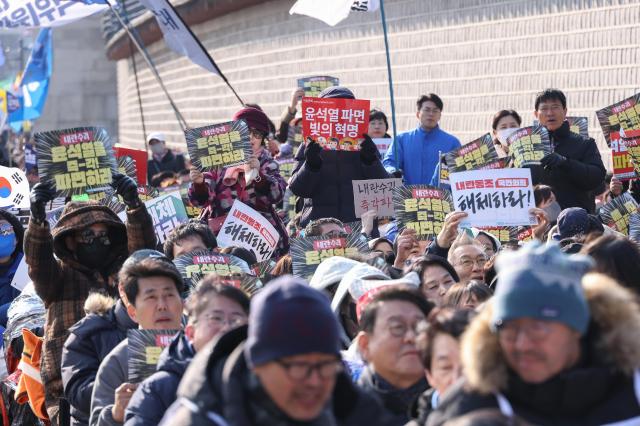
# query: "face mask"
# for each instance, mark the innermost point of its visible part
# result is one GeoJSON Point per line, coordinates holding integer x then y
{"type": "Point", "coordinates": [93, 255]}
{"type": "Point", "coordinates": [503, 134]}
{"type": "Point", "coordinates": [157, 148]}
{"type": "Point", "coordinates": [7, 244]}
{"type": "Point", "coordinates": [390, 258]}
{"type": "Point", "coordinates": [552, 211]}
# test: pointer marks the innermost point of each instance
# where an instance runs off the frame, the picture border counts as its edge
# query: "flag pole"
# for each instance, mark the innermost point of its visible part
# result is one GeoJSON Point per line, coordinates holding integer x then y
{"type": "Point", "coordinates": [154, 71]}
{"type": "Point", "coordinates": [386, 47]}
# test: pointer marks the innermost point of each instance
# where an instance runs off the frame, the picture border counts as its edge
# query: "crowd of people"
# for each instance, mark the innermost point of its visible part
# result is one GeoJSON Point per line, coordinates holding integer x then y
{"type": "Point", "coordinates": [461, 330]}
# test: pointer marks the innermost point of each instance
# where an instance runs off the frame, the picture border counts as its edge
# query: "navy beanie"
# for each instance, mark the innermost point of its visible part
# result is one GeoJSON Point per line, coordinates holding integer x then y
{"type": "Point", "coordinates": [541, 282]}
{"type": "Point", "coordinates": [290, 318]}
{"type": "Point", "coordinates": [576, 221]}
{"type": "Point", "coordinates": [337, 92]}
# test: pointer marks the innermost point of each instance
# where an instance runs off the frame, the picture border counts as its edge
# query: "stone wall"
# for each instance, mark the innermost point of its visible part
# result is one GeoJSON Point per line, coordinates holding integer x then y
{"type": "Point", "coordinates": [479, 56]}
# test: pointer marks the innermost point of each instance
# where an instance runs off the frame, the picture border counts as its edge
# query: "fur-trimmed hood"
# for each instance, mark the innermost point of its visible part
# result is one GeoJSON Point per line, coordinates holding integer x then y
{"type": "Point", "coordinates": [616, 339]}
{"type": "Point", "coordinates": [98, 303]}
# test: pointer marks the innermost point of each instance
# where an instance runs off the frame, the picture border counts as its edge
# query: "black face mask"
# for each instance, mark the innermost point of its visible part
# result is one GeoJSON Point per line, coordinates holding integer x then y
{"type": "Point", "coordinates": [94, 255]}
{"type": "Point", "coordinates": [390, 258]}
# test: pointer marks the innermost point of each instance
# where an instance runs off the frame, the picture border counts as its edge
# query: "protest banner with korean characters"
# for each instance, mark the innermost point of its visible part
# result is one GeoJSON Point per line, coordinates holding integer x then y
{"type": "Point", "coordinates": [473, 155]}
{"type": "Point", "coordinates": [616, 213]}
{"type": "Point", "coordinates": [167, 212]}
{"type": "Point", "coordinates": [422, 208]}
{"type": "Point", "coordinates": [314, 85]}
{"type": "Point", "coordinates": [286, 167]}
{"type": "Point", "coordinates": [632, 146]}
{"type": "Point", "coordinates": [508, 234]}
{"type": "Point", "coordinates": [144, 349]}
{"type": "Point", "coordinates": [577, 125]}
{"type": "Point", "coordinates": [77, 160]}
{"type": "Point", "coordinates": [247, 228]}
{"type": "Point", "coordinates": [139, 159]}
{"type": "Point", "coordinates": [335, 124]}
{"type": "Point", "coordinates": [383, 145]}
{"type": "Point", "coordinates": [623, 116]}
{"type": "Point", "coordinates": [44, 13]}
{"type": "Point", "coordinates": [499, 197]}
{"type": "Point", "coordinates": [529, 145]}
{"type": "Point", "coordinates": [621, 157]}
{"type": "Point", "coordinates": [308, 252]}
{"type": "Point", "coordinates": [374, 194]}
{"type": "Point", "coordinates": [220, 145]}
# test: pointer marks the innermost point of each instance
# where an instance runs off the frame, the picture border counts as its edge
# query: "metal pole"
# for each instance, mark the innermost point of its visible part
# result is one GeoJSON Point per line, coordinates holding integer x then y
{"type": "Point", "coordinates": [386, 47]}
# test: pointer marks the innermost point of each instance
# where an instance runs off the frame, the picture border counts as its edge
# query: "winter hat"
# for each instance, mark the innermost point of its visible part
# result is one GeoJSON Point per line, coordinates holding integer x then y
{"type": "Point", "coordinates": [159, 136]}
{"type": "Point", "coordinates": [337, 92]}
{"type": "Point", "coordinates": [254, 118]}
{"type": "Point", "coordinates": [363, 291]}
{"type": "Point", "coordinates": [331, 271]}
{"type": "Point", "coordinates": [286, 150]}
{"type": "Point", "coordinates": [290, 318]}
{"type": "Point", "coordinates": [541, 282]}
{"type": "Point", "coordinates": [359, 272]}
{"type": "Point", "coordinates": [576, 221]}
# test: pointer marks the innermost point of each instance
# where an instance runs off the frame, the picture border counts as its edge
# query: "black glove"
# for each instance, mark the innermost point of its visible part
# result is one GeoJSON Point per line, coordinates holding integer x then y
{"type": "Point", "coordinates": [41, 194]}
{"type": "Point", "coordinates": [553, 161]}
{"type": "Point", "coordinates": [368, 151]}
{"type": "Point", "coordinates": [397, 174]}
{"type": "Point", "coordinates": [127, 189]}
{"type": "Point", "coordinates": [312, 156]}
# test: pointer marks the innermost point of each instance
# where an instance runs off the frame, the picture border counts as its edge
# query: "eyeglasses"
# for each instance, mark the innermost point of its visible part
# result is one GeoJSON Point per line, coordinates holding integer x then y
{"type": "Point", "coordinates": [220, 320]}
{"type": "Point", "coordinates": [468, 263]}
{"type": "Point", "coordinates": [88, 237]}
{"type": "Point", "coordinates": [535, 331]}
{"type": "Point", "coordinates": [551, 108]}
{"type": "Point", "coordinates": [299, 371]}
{"type": "Point", "coordinates": [430, 110]}
{"type": "Point", "coordinates": [256, 134]}
{"type": "Point", "coordinates": [399, 328]}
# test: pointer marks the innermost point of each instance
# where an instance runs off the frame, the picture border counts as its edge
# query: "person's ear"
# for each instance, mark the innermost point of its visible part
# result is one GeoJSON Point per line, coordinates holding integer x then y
{"type": "Point", "coordinates": [536, 114]}
{"type": "Point", "coordinates": [190, 332]}
{"type": "Point", "coordinates": [427, 373]}
{"type": "Point", "coordinates": [131, 310]}
{"type": "Point", "coordinates": [418, 114]}
{"type": "Point", "coordinates": [362, 342]}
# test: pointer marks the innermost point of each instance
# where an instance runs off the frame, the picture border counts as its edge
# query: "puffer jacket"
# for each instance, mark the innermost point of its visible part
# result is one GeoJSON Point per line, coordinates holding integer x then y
{"type": "Point", "coordinates": [7, 271]}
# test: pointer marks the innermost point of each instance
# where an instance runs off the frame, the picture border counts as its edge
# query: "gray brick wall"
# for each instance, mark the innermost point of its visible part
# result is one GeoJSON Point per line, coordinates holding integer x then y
{"type": "Point", "coordinates": [479, 56]}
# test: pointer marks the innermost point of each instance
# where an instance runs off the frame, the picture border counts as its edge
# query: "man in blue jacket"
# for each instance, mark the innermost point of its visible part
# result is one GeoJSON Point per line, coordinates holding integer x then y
{"type": "Point", "coordinates": [415, 154]}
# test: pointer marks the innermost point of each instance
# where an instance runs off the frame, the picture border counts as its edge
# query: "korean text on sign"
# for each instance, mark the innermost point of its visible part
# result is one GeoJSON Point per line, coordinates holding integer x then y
{"type": "Point", "coordinates": [35, 13]}
{"type": "Point", "coordinates": [528, 146]}
{"type": "Point", "coordinates": [206, 264]}
{"type": "Point", "coordinates": [422, 208]}
{"type": "Point", "coordinates": [472, 155]}
{"type": "Point", "coordinates": [617, 212]}
{"type": "Point", "coordinates": [167, 212]}
{"type": "Point", "coordinates": [336, 124]}
{"type": "Point", "coordinates": [374, 194]}
{"type": "Point", "coordinates": [218, 146]}
{"type": "Point", "coordinates": [500, 197]}
{"type": "Point", "coordinates": [621, 155]}
{"type": "Point", "coordinates": [623, 116]}
{"type": "Point", "coordinates": [314, 85]}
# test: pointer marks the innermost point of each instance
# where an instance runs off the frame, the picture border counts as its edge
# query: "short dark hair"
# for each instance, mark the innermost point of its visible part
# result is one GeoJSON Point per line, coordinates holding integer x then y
{"type": "Point", "coordinates": [459, 293]}
{"type": "Point", "coordinates": [192, 228]}
{"type": "Point", "coordinates": [241, 253]}
{"type": "Point", "coordinates": [156, 266]}
{"type": "Point", "coordinates": [401, 293]}
{"type": "Point", "coordinates": [617, 257]}
{"type": "Point", "coordinates": [376, 114]}
{"type": "Point", "coordinates": [541, 193]}
{"type": "Point", "coordinates": [430, 97]}
{"type": "Point", "coordinates": [441, 320]}
{"type": "Point", "coordinates": [505, 113]}
{"type": "Point", "coordinates": [211, 286]}
{"type": "Point", "coordinates": [421, 263]}
{"type": "Point", "coordinates": [551, 95]}
{"type": "Point", "coordinates": [313, 229]}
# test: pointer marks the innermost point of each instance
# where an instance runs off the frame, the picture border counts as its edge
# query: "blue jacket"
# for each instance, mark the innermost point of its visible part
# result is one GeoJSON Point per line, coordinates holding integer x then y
{"type": "Point", "coordinates": [154, 396]}
{"type": "Point", "coordinates": [416, 154]}
{"type": "Point", "coordinates": [7, 292]}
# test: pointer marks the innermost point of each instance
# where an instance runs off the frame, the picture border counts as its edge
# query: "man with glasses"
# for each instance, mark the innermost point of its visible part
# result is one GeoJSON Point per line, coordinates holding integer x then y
{"type": "Point", "coordinates": [415, 154]}
{"type": "Point", "coordinates": [574, 169]}
{"type": "Point", "coordinates": [554, 346]}
{"type": "Point", "coordinates": [468, 257]}
{"type": "Point", "coordinates": [387, 343]}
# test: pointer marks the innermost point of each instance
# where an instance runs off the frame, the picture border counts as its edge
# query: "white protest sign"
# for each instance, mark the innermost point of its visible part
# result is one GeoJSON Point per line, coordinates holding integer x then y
{"type": "Point", "coordinates": [14, 188]}
{"type": "Point", "coordinates": [21, 276]}
{"type": "Point", "coordinates": [374, 194]}
{"type": "Point", "coordinates": [382, 144]}
{"type": "Point", "coordinates": [247, 228]}
{"type": "Point", "coordinates": [498, 197]}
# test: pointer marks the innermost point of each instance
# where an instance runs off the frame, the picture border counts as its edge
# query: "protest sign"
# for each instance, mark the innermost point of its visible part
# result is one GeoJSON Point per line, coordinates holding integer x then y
{"type": "Point", "coordinates": [383, 145]}
{"type": "Point", "coordinates": [144, 349]}
{"type": "Point", "coordinates": [443, 174]}
{"type": "Point", "coordinates": [139, 158]}
{"type": "Point", "coordinates": [508, 234]}
{"type": "Point", "coordinates": [219, 145]}
{"type": "Point", "coordinates": [14, 188]}
{"type": "Point", "coordinates": [577, 125]}
{"type": "Point", "coordinates": [615, 214]}
{"type": "Point", "coordinates": [195, 265]}
{"type": "Point", "coordinates": [146, 192]}
{"type": "Point", "coordinates": [167, 212]}
{"type": "Point", "coordinates": [263, 270]}
{"type": "Point", "coordinates": [286, 167]}
{"type": "Point", "coordinates": [294, 135]}
{"type": "Point", "coordinates": [289, 205]}
{"type": "Point", "coordinates": [634, 227]}
{"type": "Point", "coordinates": [192, 210]}
{"type": "Point", "coordinates": [422, 208]}
{"type": "Point", "coordinates": [76, 160]}
{"type": "Point", "coordinates": [38, 13]}
{"type": "Point", "coordinates": [622, 117]}
{"type": "Point", "coordinates": [472, 155]}
{"type": "Point", "coordinates": [247, 228]}
{"type": "Point", "coordinates": [499, 197]}
{"type": "Point", "coordinates": [307, 253]}
{"type": "Point", "coordinates": [632, 146]}
{"type": "Point", "coordinates": [335, 124]}
{"type": "Point", "coordinates": [374, 194]}
{"type": "Point", "coordinates": [314, 85]}
{"type": "Point", "coordinates": [527, 146]}
{"type": "Point", "coordinates": [21, 276]}
{"type": "Point", "coordinates": [620, 157]}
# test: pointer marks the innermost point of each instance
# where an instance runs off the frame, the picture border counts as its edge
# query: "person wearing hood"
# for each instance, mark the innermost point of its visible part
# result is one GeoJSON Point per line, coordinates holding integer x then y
{"type": "Point", "coordinates": [554, 346]}
{"type": "Point", "coordinates": [324, 178]}
{"type": "Point", "coordinates": [11, 253]}
{"type": "Point", "coordinates": [257, 183]}
{"type": "Point", "coordinates": [212, 309]}
{"type": "Point", "coordinates": [162, 158]}
{"type": "Point", "coordinates": [90, 243]}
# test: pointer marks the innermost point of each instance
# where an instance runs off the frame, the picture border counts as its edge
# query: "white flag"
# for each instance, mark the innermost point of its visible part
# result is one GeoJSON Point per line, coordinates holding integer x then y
{"type": "Point", "coordinates": [37, 13]}
{"type": "Point", "coordinates": [178, 37]}
{"type": "Point", "coordinates": [332, 11]}
{"type": "Point", "coordinates": [14, 188]}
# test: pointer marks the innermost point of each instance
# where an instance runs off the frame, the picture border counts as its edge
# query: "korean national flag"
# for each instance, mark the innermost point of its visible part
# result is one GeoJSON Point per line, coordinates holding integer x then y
{"type": "Point", "coordinates": [14, 188]}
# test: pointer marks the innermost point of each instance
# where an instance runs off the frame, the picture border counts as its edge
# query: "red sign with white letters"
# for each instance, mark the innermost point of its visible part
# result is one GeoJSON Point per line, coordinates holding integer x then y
{"type": "Point", "coordinates": [335, 124]}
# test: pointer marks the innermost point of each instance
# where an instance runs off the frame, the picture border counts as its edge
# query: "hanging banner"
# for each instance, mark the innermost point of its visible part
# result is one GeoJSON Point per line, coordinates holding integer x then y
{"type": "Point", "coordinates": [374, 194]}
{"type": "Point", "coordinates": [422, 208]}
{"type": "Point", "coordinates": [144, 349]}
{"type": "Point", "coordinates": [244, 227]}
{"type": "Point", "coordinates": [139, 157]}
{"type": "Point", "coordinates": [44, 13]}
{"type": "Point", "coordinates": [307, 253]}
{"type": "Point", "coordinates": [622, 117]}
{"type": "Point", "coordinates": [314, 85]}
{"type": "Point", "coordinates": [501, 197]}
{"type": "Point", "coordinates": [195, 265]}
{"type": "Point", "coordinates": [219, 145]}
{"type": "Point", "coordinates": [14, 188]}
{"type": "Point", "coordinates": [75, 161]}
{"type": "Point", "coordinates": [616, 213]}
{"type": "Point", "coordinates": [335, 124]}
{"type": "Point", "coordinates": [167, 212]}
{"type": "Point", "coordinates": [529, 145]}
{"type": "Point", "coordinates": [472, 155]}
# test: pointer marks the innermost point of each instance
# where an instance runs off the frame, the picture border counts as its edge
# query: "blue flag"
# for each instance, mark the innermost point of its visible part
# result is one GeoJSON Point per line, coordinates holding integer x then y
{"type": "Point", "coordinates": [40, 60]}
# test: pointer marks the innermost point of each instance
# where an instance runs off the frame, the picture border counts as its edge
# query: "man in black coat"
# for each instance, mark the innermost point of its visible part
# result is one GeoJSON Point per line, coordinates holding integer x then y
{"type": "Point", "coordinates": [162, 159]}
{"type": "Point", "coordinates": [574, 169]}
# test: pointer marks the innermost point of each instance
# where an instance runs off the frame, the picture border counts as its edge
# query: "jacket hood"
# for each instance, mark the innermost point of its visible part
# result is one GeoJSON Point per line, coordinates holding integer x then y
{"type": "Point", "coordinates": [103, 313]}
{"type": "Point", "coordinates": [356, 274]}
{"type": "Point", "coordinates": [98, 303]}
{"type": "Point", "coordinates": [176, 357]}
{"type": "Point", "coordinates": [18, 229]}
{"type": "Point", "coordinates": [614, 342]}
{"type": "Point", "coordinates": [78, 215]}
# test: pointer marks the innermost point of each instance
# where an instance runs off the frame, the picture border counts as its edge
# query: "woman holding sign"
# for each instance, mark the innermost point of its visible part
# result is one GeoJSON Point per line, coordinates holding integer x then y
{"type": "Point", "coordinates": [257, 183]}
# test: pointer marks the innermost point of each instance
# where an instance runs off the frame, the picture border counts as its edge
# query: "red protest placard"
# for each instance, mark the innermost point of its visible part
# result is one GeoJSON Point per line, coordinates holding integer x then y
{"type": "Point", "coordinates": [336, 124]}
{"type": "Point", "coordinates": [622, 166]}
{"type": "Point", "coordinates": [139, 156]}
